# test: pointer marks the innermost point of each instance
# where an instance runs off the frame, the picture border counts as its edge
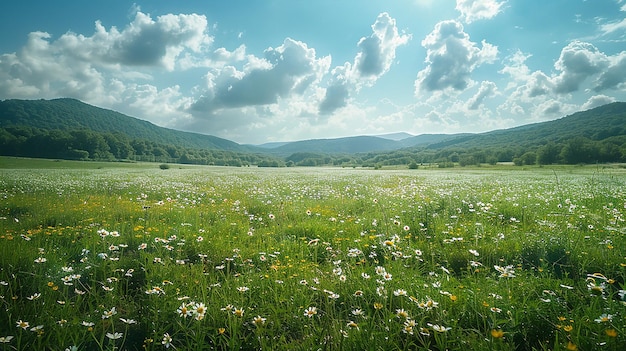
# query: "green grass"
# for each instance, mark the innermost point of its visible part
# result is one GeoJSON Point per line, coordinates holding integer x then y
{"type": "Point", "coordinates": [110, 256]}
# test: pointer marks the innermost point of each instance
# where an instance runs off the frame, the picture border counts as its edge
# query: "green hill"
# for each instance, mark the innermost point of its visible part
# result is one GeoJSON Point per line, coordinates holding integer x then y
{"type": "Point", "coordinates": [71, 114]}
{"type": "Point", "coordinates": [68, 128]}
{"type": "Point", "coordinates": [596, 124]}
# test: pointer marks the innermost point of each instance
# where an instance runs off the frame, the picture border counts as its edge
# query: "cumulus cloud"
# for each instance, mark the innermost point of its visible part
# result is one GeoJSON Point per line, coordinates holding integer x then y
{"type": "Point", "coordinates": [597, 100]}
{"type": "Point", "coordinates": [580, 67]}
{"type": "Point", "coordinates": [451, 57]}
{"type": "Point", "coordinates": [288, 69]}
{"type": "Point", "coordinates": [487, 89]}
{"type": "Point", "coordinates": [75, 65]}
{"type": "Point", "coordinates": [578, 61]}
{"type": "Point", "coordinates": [473, 10]}
{"type": "Point", "coordinates": [374, 59]}
{"type": "Point", "coordinates": [338, 92]}
{"type": "Point", "coordinates": [378, 51]}
{"type": "Point", "coordinates": [148, 42]}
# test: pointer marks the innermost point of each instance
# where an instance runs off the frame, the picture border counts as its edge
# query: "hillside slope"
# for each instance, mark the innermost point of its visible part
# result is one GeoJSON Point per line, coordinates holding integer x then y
{"type": "Point", "coordinates": [71, 114]}
{"type": "Point", "coordinates": [596, 124]}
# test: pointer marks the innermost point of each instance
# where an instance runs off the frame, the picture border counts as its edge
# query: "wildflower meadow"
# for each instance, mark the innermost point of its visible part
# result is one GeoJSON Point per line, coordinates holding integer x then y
{"type": "Point", "coordinates": [97, 256]}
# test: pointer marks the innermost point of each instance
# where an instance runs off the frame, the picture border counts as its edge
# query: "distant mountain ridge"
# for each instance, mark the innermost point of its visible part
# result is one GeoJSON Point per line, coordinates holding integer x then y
{"type": "Point", "coordinates": [608, 121]}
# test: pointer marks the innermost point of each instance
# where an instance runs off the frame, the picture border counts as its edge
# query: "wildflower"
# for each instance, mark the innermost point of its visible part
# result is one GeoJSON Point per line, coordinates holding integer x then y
{"type": "Point", "coordinates": [40, 260]}
{"type": "Point", "coordinates": [505, 272]}
{"type": "Point", "coordinates": [401, 313]}
{"type": "Point", "coordinates": [358, 293]}
{"type": "Point", "coordinates": [114, 336]}
{"type": "Point", "coordinates": [310, 312]}
{"type": "Point", "coordinates": [571, 346]}
{"type": "Point", "coordinates": [34, 296]}
{"type": "Point", "coordinates": [352, 325]}
{"type": "Point", "coordinates": [37, 328]}
{"type": "Point", "coordinates": [87, 324]}
{"type": "Point", "coordinates": [238, 312]}
{"type": "Point", "coordinates": [365, 275]}
{"type": "Point", "coordinates": [110, 313]}
{"type": "Point", "coordinates": [358, 312]}
{"type": "Point", "coordinates": [167, 340]}
{"type": "Point", "coordinates": [6, 339]}
{"type": "Point", "coordinates": [258, 320]}
{"type": "Point", "coordinates": [408, 327]}
{"type": "Point", "coordinates": [594, 287]}
{"type": "Point", "coordinates": [128, 321]}
{"type": "Point", "coordinates": [184, 311]}
{"type": "Point", "coordinates": [22, 324]}
{"type": "Point", "coordinates": [438, 328]}
{"type": "Point", "coordinates": [495, 309]}
{"type": "Point", "coordinates": [611, 333]}
{"type": "Point", "coordinates": [387, 276]}
{"type": "Point", "coordinates": [243, 289]}
{"type": "Point", "coordinates": [568, 328]}
{"type": "Point", "coordinates": [604, 318]}
{"type": "Point", "coordinates": [428, 304]}
{"type": "Point", "coordinates": [497, 334]}
{"type": "Point", "coordinates": [200, 311]}
{"type": "Point", "coordinates": [400, 292]}
{"type": "Point", "coordinates": [474, 252]}
{"type": "Point", "coordinates": [221, 331]}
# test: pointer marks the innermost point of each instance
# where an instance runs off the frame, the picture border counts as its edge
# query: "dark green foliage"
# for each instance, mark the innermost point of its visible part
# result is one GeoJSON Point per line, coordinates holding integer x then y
{"type": "Point", "coordinates": [70, 129]}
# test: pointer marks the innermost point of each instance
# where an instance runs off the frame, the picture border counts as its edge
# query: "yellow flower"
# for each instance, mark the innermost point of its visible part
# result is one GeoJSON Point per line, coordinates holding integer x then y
{"type": "Point", "coordinates": [612, 333]}
{"type": "Point", "coordinates": [221, 330]}
{"type": "Point", "coordinates": [571, 346]}
{"type": "Point", "coordinates": [453, 297]}
{"type": "Point", "coordinates": [497, 334]}
{"type": "Point", "coordinates": [568, 328]}
{"type": "Point", "coordinates": [378, 305]}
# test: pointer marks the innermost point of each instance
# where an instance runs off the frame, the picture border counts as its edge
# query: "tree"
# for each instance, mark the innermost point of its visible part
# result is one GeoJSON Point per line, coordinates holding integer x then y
{"type": "Point", "coordinates": [548, 154]}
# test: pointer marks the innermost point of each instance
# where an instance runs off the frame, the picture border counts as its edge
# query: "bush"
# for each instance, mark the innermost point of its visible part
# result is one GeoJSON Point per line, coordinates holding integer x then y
{"type": "Point", "coordinates": [164, 166]}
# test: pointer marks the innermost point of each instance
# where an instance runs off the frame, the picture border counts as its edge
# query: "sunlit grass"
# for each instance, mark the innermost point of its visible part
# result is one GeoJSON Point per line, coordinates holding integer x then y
{"type": "Point", "coordinates": [199, 258]}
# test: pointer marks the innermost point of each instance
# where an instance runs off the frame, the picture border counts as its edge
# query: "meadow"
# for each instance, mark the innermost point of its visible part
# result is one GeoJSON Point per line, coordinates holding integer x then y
{"type": "Point", "coordinates": [105, 256]}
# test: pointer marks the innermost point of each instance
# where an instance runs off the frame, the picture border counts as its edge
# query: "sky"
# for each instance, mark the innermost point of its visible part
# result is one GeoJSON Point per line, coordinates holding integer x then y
{"type": "Point", "coordinates": [284, 70]}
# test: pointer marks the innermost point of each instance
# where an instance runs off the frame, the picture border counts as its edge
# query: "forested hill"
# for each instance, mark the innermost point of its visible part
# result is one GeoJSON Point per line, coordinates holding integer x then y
{"type": "Point", "coordinates": [596, 124]}
{"type": "Point", "coordinates": [70, 114]}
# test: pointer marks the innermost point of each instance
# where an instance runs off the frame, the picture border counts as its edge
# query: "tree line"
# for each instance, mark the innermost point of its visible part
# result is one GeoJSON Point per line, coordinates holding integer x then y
{"type": "Point", "coordinates": [85, 144]}
{"type": "Point", "coordinates": [578, 150]}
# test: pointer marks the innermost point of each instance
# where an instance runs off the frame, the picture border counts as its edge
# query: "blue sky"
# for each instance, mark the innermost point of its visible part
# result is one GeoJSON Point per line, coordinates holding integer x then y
{"type": "Point", "coordinates": [282, 70]}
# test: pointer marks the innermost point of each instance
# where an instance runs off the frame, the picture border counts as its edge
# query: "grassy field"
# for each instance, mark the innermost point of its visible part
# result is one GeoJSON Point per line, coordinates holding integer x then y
{"type": "Point", "coordinates": [108, 256]}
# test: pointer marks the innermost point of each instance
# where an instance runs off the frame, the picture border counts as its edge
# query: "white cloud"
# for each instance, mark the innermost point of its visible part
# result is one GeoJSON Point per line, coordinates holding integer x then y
{"type": "Point", "coordinates": [473, 10]}
{"type": "Point", "coordinates": [451, 58]}
{"type": "Point", "coordinates": [615, 26]}
{"type": "Point", "coordinates": [81, 66]}
{"type": "Point", "coordinates": [597, 100]}
{"type": "Point", "coordinates": [580, 67]}
{"type": "Point", "coordinates": [487, 89]}
{"type": "Point", "coordinates": [376, 54]}
{"type": "Point", "coordinates": [288, 69]}
{"type": "Point", "coordinates": [378, 51]}
{"type": "Point", "coordinates": [578, 61]}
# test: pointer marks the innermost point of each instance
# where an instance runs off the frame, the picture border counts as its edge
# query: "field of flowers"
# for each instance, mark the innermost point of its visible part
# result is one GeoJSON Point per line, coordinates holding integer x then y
{"type": "Point", "coordinates": [207, 258]}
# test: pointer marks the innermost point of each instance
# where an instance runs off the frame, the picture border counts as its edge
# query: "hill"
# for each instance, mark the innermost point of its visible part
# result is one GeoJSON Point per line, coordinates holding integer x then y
{"type": "Point", "coordinates": [70, 114]}
{"type": "Point", "coordinates": [596, 124]}
{"type": "Point", "coordinates": [68, 128]}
